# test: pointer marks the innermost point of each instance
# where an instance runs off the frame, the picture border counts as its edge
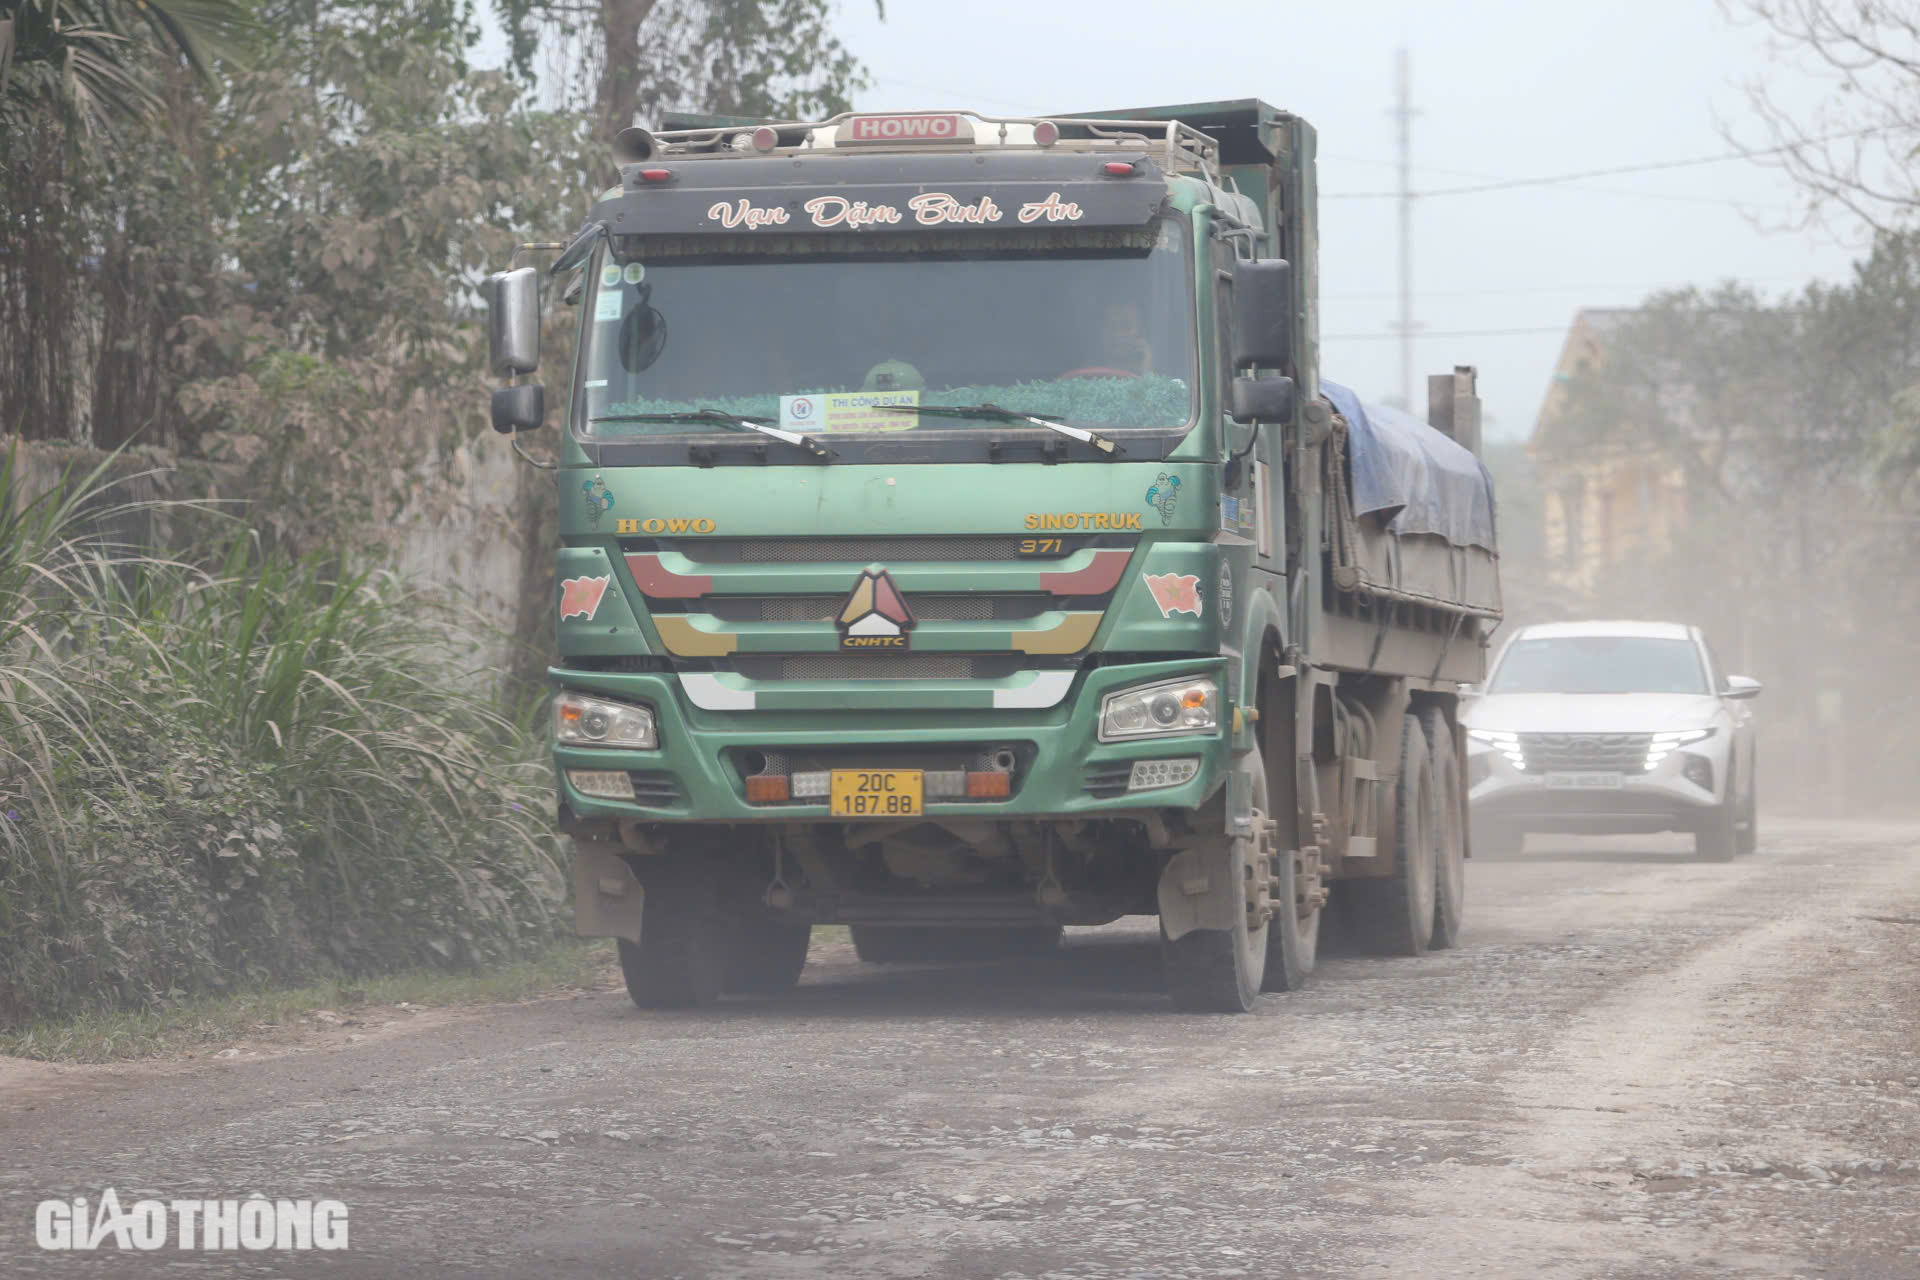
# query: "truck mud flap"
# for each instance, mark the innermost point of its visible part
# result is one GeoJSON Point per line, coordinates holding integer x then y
{"type": "Point", "coordinates": [1197, 893]}
{"type": "Point", "coordinates": [608, 899]}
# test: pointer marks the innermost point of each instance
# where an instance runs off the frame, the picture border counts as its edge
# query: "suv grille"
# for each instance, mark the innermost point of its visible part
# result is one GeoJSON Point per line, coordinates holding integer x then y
{"type": "Point", "coordinates": [1585, 752]}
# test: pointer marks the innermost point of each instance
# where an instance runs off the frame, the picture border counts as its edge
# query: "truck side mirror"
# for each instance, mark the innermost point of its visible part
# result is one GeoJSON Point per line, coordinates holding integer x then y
{"type": "Point", "coordinates": [513, 321]}
{"type": "Point", "coordinates": [1264, 399]}
{"type": "Point", "coordinates": [1262, 313]}
{"type": "Point", "coordinates": [521, 408]}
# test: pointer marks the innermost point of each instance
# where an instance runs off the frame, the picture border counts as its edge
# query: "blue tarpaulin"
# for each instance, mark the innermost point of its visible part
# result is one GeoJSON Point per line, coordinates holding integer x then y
{"type": "Point", "coordinates": [1421, 480]}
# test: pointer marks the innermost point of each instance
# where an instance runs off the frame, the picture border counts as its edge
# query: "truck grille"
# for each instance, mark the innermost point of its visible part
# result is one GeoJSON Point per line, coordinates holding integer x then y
{"type": "Point", "coordinates": [878, 666]}
{"type": "Point", "coordinates": [1585, 752]}
{"type": "Point", "coordinates": [926, 608]}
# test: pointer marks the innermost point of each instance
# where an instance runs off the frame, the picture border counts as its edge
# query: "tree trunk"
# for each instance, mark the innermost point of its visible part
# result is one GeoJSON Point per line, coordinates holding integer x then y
{"type": "Point", "coordinates": [620, 24]}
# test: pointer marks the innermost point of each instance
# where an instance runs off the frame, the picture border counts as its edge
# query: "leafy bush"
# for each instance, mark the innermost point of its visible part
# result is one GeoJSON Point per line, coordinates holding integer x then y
{"type": "Point", "coordinates": [247, 770]}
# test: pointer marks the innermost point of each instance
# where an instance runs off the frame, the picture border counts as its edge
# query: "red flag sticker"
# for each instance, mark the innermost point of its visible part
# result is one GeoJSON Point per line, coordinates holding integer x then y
{"type": "Point", "coordinates": [1174, 592]}
{"type": "Point", "coordinates": [582, 596]}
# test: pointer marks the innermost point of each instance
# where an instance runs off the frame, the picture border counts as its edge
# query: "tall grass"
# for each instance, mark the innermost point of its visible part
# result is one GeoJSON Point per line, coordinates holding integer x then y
{"type": "Point", "coordinates": [233, 768]}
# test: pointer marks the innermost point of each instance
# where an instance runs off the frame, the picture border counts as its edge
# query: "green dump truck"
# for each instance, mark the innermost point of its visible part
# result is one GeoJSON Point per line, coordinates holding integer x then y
{"type": "Point", "coordinates": [957, 543]}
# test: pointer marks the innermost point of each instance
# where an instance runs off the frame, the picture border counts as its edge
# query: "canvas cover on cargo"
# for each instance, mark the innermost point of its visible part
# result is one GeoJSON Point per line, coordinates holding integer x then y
{"type": "Point", "coordinates": [1414, 515]}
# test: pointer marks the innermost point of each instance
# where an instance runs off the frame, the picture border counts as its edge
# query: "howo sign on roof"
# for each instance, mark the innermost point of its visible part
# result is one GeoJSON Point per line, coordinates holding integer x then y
{"type": "Point", "coordinates": [915, 128]}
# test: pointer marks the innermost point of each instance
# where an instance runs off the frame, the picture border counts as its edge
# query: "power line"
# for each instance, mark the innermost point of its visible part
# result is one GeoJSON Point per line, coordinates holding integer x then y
{"type": "Point", "coordinates": [1558, 179]}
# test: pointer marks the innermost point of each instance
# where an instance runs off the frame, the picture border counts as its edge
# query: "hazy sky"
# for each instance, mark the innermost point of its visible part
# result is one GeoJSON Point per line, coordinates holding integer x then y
{"type": "Point", "coordinates": [1505, 89]}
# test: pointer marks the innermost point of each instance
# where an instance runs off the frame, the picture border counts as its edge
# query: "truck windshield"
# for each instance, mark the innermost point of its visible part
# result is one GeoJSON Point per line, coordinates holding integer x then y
{"type": "Point", "coordinates": [1097, 333]}
{"type": "Point", "coordinates": [1600, 664]}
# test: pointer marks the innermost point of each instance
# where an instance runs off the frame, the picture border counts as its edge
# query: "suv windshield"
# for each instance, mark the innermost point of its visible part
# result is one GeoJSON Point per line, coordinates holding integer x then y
{"type": "Point", "coordinates": [1096, 332]}
{"type": "Point", "coordinates": [1600, 664]}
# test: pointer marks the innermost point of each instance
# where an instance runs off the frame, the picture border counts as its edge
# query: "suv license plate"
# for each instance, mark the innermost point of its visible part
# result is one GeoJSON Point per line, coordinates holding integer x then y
{"type": "Point", "coordinates": [876, 793]}
{"type": "Point", "coordinates": [1584, 781]}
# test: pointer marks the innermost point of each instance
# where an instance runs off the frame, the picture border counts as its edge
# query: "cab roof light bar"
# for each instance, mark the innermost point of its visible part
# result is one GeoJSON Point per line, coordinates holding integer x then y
{"type": "Point", "coordinates": [1181, 148]}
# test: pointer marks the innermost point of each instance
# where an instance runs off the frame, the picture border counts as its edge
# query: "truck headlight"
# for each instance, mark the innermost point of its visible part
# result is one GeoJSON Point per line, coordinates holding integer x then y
{"type": "Point", "coordinates": [1166, 708]}
{"type": "Point", "coordinates": [580, 721]}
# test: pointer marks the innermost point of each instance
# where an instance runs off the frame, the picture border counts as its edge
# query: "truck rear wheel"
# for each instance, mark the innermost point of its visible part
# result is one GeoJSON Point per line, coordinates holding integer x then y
{"type": "Point", "coordinates": [1393, 915]}
{"type": "Point", "coordinates": [1450, 862]}
{"type": "Point", "coordinates": [681, 959]}
{"type": "Point", "coordinates": [766, 954]}
{"type": "Point", "coordinates": [1221, 970]}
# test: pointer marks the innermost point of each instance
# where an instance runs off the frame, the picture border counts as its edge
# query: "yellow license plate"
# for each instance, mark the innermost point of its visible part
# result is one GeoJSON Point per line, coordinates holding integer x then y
{"type": "Point", "coordinates": [876, 793]}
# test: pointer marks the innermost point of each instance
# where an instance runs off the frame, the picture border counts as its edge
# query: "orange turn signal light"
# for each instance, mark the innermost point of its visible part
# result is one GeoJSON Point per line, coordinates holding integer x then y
{"type": "Point", "coordinates": [989, 786]}
{"type": "Point", "coordinates": [771, 788]}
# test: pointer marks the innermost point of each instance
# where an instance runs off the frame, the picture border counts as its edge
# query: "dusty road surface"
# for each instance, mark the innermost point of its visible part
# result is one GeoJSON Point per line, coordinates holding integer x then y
{"type": "Point", "coordinates": [1639, 1065]}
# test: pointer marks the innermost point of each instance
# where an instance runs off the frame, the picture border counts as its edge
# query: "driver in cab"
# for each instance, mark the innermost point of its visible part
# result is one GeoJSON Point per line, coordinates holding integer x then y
{"type": "Point", "coordinates": [1122, 349]}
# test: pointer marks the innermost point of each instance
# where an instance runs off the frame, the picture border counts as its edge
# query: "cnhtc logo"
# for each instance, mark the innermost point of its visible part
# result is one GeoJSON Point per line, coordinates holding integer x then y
{"type": "Point", "coordinates": [253, 1223]}
{"type": "Point", "coordinates": [875, 615]}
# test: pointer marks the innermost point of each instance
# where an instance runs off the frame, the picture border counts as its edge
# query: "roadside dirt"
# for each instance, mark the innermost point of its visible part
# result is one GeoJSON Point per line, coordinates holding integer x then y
{"type": "Point", "coordinates": [1638, 1065]}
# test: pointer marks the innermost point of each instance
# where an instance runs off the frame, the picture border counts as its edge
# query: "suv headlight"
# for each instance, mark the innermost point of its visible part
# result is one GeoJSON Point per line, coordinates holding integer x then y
{"type": "Point", "coordinates": [1163, 709]}
{"type": "Point", "coordinates": [579, 721]}
{"type": "Point", "coordinates": [1662, 744]}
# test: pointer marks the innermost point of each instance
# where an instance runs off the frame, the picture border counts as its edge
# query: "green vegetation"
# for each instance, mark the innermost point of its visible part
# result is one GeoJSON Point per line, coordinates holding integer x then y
{"type": "Point", "coordinates": [201, 1022]}
{"type": "Point", "coordinates": [254, 771]}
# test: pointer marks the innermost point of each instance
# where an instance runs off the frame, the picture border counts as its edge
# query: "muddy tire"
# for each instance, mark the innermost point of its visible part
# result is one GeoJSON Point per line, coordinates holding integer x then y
{"type": "Point", "coordinates": [1718, 840]}
{"type": "Point", "coordinates": [1749, 831]}
{"type": "Point", "coordinates": [1221, 970]}
{"type": "Point", "coordinates": [1450, 861]}
{"type": "Point", "coordinates": [766, 955]}
{"type": "Point", "coordinates": [681, 959]}
{"type": "Point", "coordinates": [1393, 915]}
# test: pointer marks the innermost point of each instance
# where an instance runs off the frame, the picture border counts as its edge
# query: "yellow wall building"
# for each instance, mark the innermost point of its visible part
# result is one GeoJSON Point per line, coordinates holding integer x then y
{"type": "Point", "coordinates": [1605, 501]}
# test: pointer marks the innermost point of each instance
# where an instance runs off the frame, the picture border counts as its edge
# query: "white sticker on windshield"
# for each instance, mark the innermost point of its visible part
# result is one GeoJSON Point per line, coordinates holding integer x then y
{"type": "Point", "coordinates": [609, 305]}
{"type": "Point", "coordinates": [609, 276]}
{"type": "Point", "coordinates": [634, 272]}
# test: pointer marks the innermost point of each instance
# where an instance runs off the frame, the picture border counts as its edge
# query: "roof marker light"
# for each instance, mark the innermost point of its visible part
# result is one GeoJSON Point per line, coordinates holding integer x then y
{"type": "Point", "coordinates": [656, 175]}
{"type": "Point", "coordinates": [1046, 133]}
{"type": "Point", "coordinates": [766, 138]}
{"type": "Point", "coordinates": [1118, 168]}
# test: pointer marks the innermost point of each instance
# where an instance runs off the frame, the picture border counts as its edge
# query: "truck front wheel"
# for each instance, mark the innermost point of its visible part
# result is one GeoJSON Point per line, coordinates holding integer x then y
{"type": "Point", "coordinates": [681, 959]}
{"type": "Point", "coordinates": [766, 954]}
{"type": "Point", "coordinates": [1220, 970]}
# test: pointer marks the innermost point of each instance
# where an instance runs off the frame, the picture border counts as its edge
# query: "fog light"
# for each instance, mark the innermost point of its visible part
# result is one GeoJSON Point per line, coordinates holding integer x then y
{"type": "Point", "coordinates": [768, 788]}
{"type": "Point", "coordinates": [1149, 775]}
{"type": "Point", "coordinates": [1698, 770]}
{"type": "Point", "coordinates": [989, 786]}
{"type": "Point", "coordinates": [604, 784]}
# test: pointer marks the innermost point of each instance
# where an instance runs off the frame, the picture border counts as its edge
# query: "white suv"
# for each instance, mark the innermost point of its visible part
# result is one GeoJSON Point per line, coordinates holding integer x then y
{"type": "Point", "coordinates": [1612, 728]}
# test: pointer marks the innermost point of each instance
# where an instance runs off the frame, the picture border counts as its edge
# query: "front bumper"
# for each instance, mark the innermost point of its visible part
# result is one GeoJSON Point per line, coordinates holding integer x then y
{"type": "Point", "coordinates": [1661, 800]}
{"type": "Point", "coordinates": [695, 774]}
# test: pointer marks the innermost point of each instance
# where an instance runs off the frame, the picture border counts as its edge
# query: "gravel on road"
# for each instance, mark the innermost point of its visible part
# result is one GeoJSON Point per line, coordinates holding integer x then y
{"type": "Point", "coordinates": [1636, 1065]}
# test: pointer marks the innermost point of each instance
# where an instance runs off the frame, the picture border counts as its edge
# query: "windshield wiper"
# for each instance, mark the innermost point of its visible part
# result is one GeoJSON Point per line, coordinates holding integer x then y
{"type": "Point", "coordinates": [994, 411]}
{"type": "Point", "coordinates": [733, 420]}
